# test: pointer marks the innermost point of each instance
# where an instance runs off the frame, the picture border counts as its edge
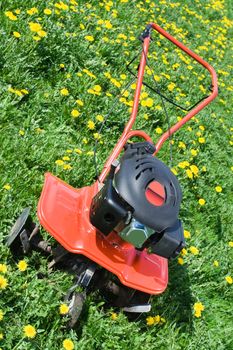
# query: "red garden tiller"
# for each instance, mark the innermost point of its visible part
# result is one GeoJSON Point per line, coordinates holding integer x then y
{"type": "Point", "coordinates": [117, 234]}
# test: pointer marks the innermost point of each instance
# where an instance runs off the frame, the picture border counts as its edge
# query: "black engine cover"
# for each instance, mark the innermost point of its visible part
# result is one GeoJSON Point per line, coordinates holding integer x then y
{"type": "Point", "coordinates": [139, 168]}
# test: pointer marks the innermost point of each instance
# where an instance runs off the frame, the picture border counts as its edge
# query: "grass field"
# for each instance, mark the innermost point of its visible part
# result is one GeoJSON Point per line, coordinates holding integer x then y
{"type": "Point", "coordinates": [62, 66]}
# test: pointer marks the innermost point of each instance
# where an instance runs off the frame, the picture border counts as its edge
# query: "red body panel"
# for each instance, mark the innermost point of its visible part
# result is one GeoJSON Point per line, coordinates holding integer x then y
{"type": "Point", "coordinates": [64, 212]}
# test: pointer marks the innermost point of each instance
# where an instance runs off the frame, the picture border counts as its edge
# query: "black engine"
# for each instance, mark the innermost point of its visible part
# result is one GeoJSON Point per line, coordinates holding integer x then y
{"type": "Point", "coordinates": [140, 200]}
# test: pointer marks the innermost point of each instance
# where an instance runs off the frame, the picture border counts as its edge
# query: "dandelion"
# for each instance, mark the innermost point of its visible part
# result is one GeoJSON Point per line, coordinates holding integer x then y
{"type": "Point", "coordinates": [89, 38]}
{"type": "Point", "coordinates": [218, 189]}
{"type": "Point", "coordinates": [29, 331]}
{"type": "Point", "coordinates": [42, 33]}
{"type": "Point", "coordinates": [47, 12]}
{"type": "Point", "coordinates": [150, 321]}
{"type": "Point", "coordinates": [201, 201]}
{"type": "Point", "coordinates": [189, 173]}
{"type": "Point", "coordinates": [75, 113]}
{"type": "Point", "coordinates": [229, 279]}
{"type": "Point", "coordinates": [171, 86]}
{"type": "Point", "coordinates": [3, 268]}
{"type": "Point", "coordinates": [100, 118]}
{"type": "Point", "coordinates": [64, 92]}
{"type": "Point", "coordinates": [22, 265]}
{"type": "Point", "coordinates": [1, 336]}
{"type": "Point", "coordinates": [59, 162]}
{"type": "Point", "coordinates": [64, 309]}
{"type": "Point", "coordinates": [201, 140]}
{"type": "Point", "coordinates": [3, 282]}
{"type": "Point", "coordinates": [1, 315]}
{"type": "Point", "coordinates": [158, 131]}
{"type": "Point", "coordinates": [67, 167]}
{"type": "Point", "coordinates": [68, 344]}
{"type": "Point", "coordinates": [34, 27]}
{"type": "Point", "coordinates": [194, 250]}
{"type": "Point", "coordinates": [80, 102]}
{"type": "Point", "coordinates": [187, 234]}
{"type": "Point", "coordinates": [97, 88]}
{"type": "Point", "coordinates": [114, 316]}
{"type": "Point", "coordinates": [216, 263]}
{"type": "Point", "coordinates": [32, 11]}
{"type": "Point", "coordinates": [21, 132]}
{"type": "Point", "coordinates": [78, 151]}
{"type": "Point", "coordinates": [36, 38]}
{"type": "Point", "coordinates": [10, 15]}
{"type": "Point", "coordinates": [194, 169]}
{"type": "Point", "coordinates": [180, 261]}
{"type": "Point", "coordinates": [198, 308]}
{"type": "Point", "coordinates": [230, 244]}
{"type": "Point", "coordinates": [91, 125]}
{"type": "Point", "coordinates": [7, 187]}
{"type": "Point", "coordinates": [17, 35]}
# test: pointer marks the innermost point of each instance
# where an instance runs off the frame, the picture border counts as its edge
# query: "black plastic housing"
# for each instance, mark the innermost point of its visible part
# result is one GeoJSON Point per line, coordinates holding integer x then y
{"type": "Point", "coordinates": [107, 209]}
{"type": "Point", "coordinates": [170, 242]}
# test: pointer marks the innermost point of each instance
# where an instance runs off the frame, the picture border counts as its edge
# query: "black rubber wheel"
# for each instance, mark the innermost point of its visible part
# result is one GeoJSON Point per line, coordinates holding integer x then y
{"type": "Point", "coordinates": [75, 301]}
{"type": "Point", "coordinates": [17, 239]}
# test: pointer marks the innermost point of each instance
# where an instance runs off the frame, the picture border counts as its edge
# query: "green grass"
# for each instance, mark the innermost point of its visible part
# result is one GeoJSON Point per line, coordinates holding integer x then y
{"type": "Point", "coordinates": [37, 129]}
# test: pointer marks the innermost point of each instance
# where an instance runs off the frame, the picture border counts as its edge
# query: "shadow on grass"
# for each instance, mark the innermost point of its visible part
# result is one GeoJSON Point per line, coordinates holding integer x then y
{"type": "Point", "coordinates": [176, 304]}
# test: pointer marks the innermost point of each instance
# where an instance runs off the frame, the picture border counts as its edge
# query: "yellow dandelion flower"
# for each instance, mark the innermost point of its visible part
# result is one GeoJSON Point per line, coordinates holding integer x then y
{"type": "Point", "coordinates": [201, 140]}
{"type": "Point", "coordinates": [158, 131]}
{"type": "Point", "coordinates": [64, 92]}
{"type": "Point", "coordinates": [194, 250]}
{"type": "Point", "coordinates": [77, 150]}
{"type": "Point", "coordinates": [63, 309]}
{"type": "Point", "coordinates": [100, 118]}
{"type": "Point", "coordinates": [7, 187]}
{"type": "Point", "coordinates": [67, 167]}
{"type": "Point", "coordinates": [68, 344]}
{"type": "Point", "coordinates": [187, 234]}
{"type": "Point", "coordinates": [193, 152]}
{"type": "Point", "coordinates": [218, 189]}
{"type": "Point", "coordinates": [42, 33]}
{"type": "Point", "coordinates": [80, 102]}
{"type": "Point", "coordinates": [157, 319]}
{"type": "Point", "coordinates": [184, 252]}
{"type": "Point", "coordinates": [194, 169]}
{"type": "Point", "coordinates": [198, 308]}
{"type": "Point", "coordinates": [3, 282]}
{"type": "Point", "coordinates": [180, 261]}
{"type": "Point", "coordinates": [91, 125]}
{"type": "Point", "coordinates": [216, 263]}
{"type": "Point", "coordinates": [229, 279]}
{"type": "Point", "coordinates": [201, 201]}
{"type": "Point", "coordinates": [29, 331]}
{"type": "Point", "coordinates": [10, 15]}
{"type": "Point", "coordinates": [75, 113]}
{"type": "Point", "coordinates": [114, 316]}
{"type": "Point", "coordinates": [59, 162]}
{"type": "Point", "coordinates": [1, 315]}
{"type": "Point", "coordinates": [21, 132]}
{"type": "Point", "coordinates": [150, 321]}
{"type": "Point", "coordinates": [47, 12]}
{"type": "Point", "coordinates": [22, 265]}
{"type": "Point", "coordinates": [36, 38]}
{"type": "Point", "coordinates": [3, 268]}
{"type": "Point", "coordinates": [66, 158]}
{"type": "Point", "coordinates": [189, 173]}
{"type": "Point", "coordinates": [1, 336]}
{"type": "Point", "coordinates": [171, 86]}
{"type": "Point", "coordinates": [149, 102]}
{"type": "Point", "coordinates": [34, 27]}
{"type": "Point", "coordinates": [97, 88]}
{"type": "Point", "coordinates": [230, 244]}
{"type": "Point", "coordinates": [17, 35]}
{"type": "Point", "coordinates": [89, 38]}
{"type": "Point", "coordinates": [32, 11]}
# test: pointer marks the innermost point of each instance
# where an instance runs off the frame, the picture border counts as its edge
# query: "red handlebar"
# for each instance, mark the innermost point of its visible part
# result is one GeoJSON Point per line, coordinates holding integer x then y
{"type": "Point", "coordinates": [127, 133]}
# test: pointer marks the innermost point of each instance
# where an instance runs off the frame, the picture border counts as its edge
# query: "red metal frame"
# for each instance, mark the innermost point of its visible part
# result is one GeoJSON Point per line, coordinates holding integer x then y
{"type": "Point", "coordinates": [127, 133]}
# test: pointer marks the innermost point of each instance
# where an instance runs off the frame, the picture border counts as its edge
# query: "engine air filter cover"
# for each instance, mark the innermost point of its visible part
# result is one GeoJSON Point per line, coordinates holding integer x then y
{"type": "Point", "coordinates": [149, 186]}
